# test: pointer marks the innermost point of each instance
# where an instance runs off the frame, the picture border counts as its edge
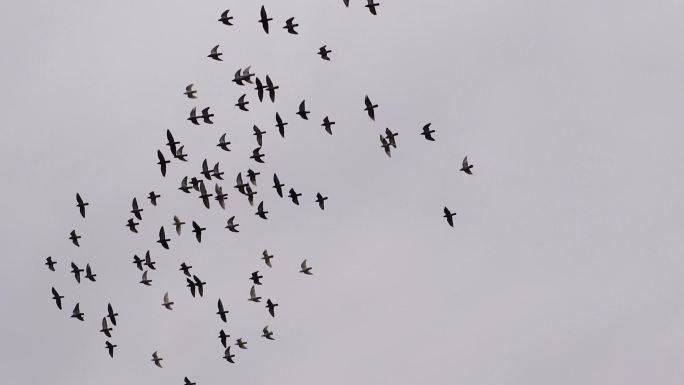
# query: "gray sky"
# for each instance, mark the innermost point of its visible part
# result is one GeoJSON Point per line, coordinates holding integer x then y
{"type": "Point", "coordinates": [564, 264]}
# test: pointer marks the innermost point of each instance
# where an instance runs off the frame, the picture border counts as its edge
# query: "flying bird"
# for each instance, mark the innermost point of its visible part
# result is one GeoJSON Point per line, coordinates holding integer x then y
{"type": "Point", "coordinates": [466, 167]}
{"type": "Point", "coordinates": [76, 313]}
{"type": "Point", "coordinates": [385, 144]}
{"type": "Point", "coordinates": [449, 216]}
{"type": "Point", "coordinates": [111, 315]}
{"type": "Point", "coordinates": [77, 272]}
{"type": "Point", "coordinates": [137, 261]}
{"type": "Point", "coordinates": [110, 348]}
{"type": "Point", "coordinates": [320, 199]}
{"type": "Point", "coordinates": [191, 284]}
{"type": "Point", "coordinates": [200, 285]}
{"type": "Point", "coordinates": [186, 380]}
{"type": "Point", "coordinates": [294, 196]}
{"type": "Point", "coordinates": [327, 125]}
{"type": "Point", "coordinates": [145, 281]}
{"type": "Point", "coordinates": [305, 269]}
{"type": "Point", "coordinates": [89, 273]}
{"type": "Point", "coordinates": [303, 113]}
{"type": "Point", "coordinates": [216, 173]}
{"type": "Point", "coordinates": [220, 196]}
{"type": "Point", "coordinates": [58, 298]}
{"type": "Point", "coordinates": [189, 92]}
{"type": "Point", "coordinates": [246, 75]}
{"type": "Point", "coordinates": [162, 238]}
{"type": "Point", "coordinates": [371, 6]}
{"type": "Point", "coordinates": [153, 197]}
{"type": "Point", "coordinates": [195, 183]}
{"type": "Point", "coordinates": [260, 212]}
{"type": "Point", "coordinates": [257, 155]}
{"type": "Point", "coordinates": [268, 334]}
{"type": "Point", "coordinates": [215, 54]}
{"type": "Point", "coordinates": [156, 359]}
{"type": "Point", "coordinates": [206, 116]}
{"type": "Point", "coordinates": [258, 134]}
{"type": "Point", "coordinates": [277, 185]}
{"type": "Point", "coordinates": [271, 307]}
{"type": "Point", "coordinates": [50, 263]}
{"type": "Point", "coordinates": [240, 184]}
{"type": "Point", "coordinates": [271, 88]}
{"type": "Point", "coordinates": [204, 195]}
{"type": "Point", "coordinates": [346, 2]}
{"type": "Point", "coordinates": [223, 144]}
{"type": "Point", "coordinates": [221, 311]}
{"type": "Point", "coordinates": [290, 26]}
{"type": "Point", "coordinates": [252, 176]}
{"type": "Point", "coordinates": [132, 225]}
{"type": "Point", "coordinates": [81, 205]}
{"type": "Point", "coordinates": [198, 231]}
{"type": "Point", "coordinates": [228, 356]}
{"type": "Point", "coordinates": [260, 89]}
{"type": "Point", "coordinates": [252, 295]}
{"type": "Point", "coordinates": [232, 226]}
{"type": "Point", "coordinates": [250, 195]}
{"type": "Point", "coordinates": [148, 261]}
{"type": "Point", "coordinates": [267, 258]}
{"type": "Point", "coordinates": [390, 137]}
{"type": "Point", "coordinates": [223, 337]}
{"type": "Point", "coordinates": [105, 328]}
{"type": "Point", "coordinates": [281, 125]}
{"type": "Point", "coordinates": [256, 277]}
{"type": "Point", "coordinates": [427, 132]}
{"type": "Point", "coordinates": [205, 170]}
{"type": "Point", "coordinates": [264, 19]}
{"type": "Point", "coordinates": [241, 344]}
{"type": "Point", "coordinates": [136, 211]}
{"type": "Point", "coordinates": [324, 51]}
{"type": "Point", "coordinates": [171, 142]}
{"type": "Point", "coordinates": [167, 302]}
{"type": "Point", "coordinates": [185, 269]}
{"type": "Point", "coordinates": [370, 108]}
{"type": "Point", "coordinates": [178, 224]}
{"type": "Point", "coordinates": [225, 19]}
{"type": "Point", "coordinates": [242, 103]}
{"type": "Point", "coordinates": [74, 237]}
{"type": "Point", "coordinates": [162, 162]}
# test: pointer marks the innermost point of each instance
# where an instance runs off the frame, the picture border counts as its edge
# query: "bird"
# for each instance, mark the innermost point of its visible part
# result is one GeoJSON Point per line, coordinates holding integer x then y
{"type": "Point", "coordinates": [74, 238]}
{"type": "Point", "coordinates": [290, 26]}
{"type": "Point", "coordinates": [111, 314]}
{"type": "Point", "coordinates": [246, 76]}
{"type": "Point", "coordinates": [195, 183]}
{"type": "Point", "coordinates": [257, 155]}
{"type": "Point", "coordinates": [167, 303]}
{"type": "Point", "coordinates": [162, 238]}
{"type": "Point", "coordinates": [260, 212]}
{"type": "Point", "coordinates": [268, 334]}
{"type": "Point", "coordinates": [184, 185]}
{"type": "Point", "coordinates": [110, 348]}
{"type": "Point", "coordinates": [199, 284]}
{"type": "Point", "coordinates": [346, 2]}
{"type": "Point", "coordinates": [162, 162]}
{"type": "Point", "coordinates": [228, 356]}
{"type": "Point", "coordinates": [136, 211]}
{"type": "Point", "coordinates": [76, 313]}
{"type": "Point", "coordinates": [324, 51]}
{"type": "Point", "coordinates": [186, 380]}
{"type": "Point", "coordinates": [225, 19]}
{"type": "Point", "coordinates": [89, 273]}
{"type": "Point", "coordinates": [220, 196]}
{"type": "Point", "coordinates": [256, 277]}
{"type": "Point", "coordinates": [252, 176]}
{"type": "Point", "coordinates": [260, 89]}
{"type": "Point", "coordinates": [242, 103]}
{"type": "Point", "coordinates": [390, 137]}
{"type": "Point", "coordinates": [215, 54]}
{"type": "Point", "coordinates": [271, 88]}
{"type": "Point", "coordinates": [138, 262]}
{"type": "Point", "coordinates": [370, 108]}
{"type": "Point", "coordinates": [252, 295]}
{"type": "Point", "coordinates": [264, 19]}
{"type": "Point", "coordinates": [185, 269]}
{"type": "Point", "coordinates": [156, 359]}
{"type": "Point", "coordinates": [277, 185]}
{"type": "Point", "coordinates": [221, 311]}
{"type": "Point", "coordinates": [216, 173]}
{"type": "Point", "coordinates": [427, 132]}
{"type": "Point", "coordinates": [81, 205]}
{"type": "Point", "coordinates": [77, 272]}
{"type": "Point", "coordinates": [204, 195]}
{"type": "Point", "coordinates": [132, 225]}
{"type": "Point", "coordinates": [371, 7]}
{"type": "Point", "coordinates": [449, 216]}
{"type": "Point", "coordinates": [189, 92]}
{"type": "Point", "coordinates": [206, 116]}
{"type": "Point", "coordinates": [178, 224]}
{"type": "Point", "coordinates": [223, 337]}
{"type": "Point", "coordinates": [385, 144]}
{"type": "Point", "coordinates": [241, 344]}
{"type": "Point", "coordinates": [171, 142]}
{"type": "Point", "coordinates": [205, 170]}
{"type": "Point", "coordinates": [179, 154]}
{"type": "Point", "coordinates": [305, 269]}
{"type": "Point", "coordinates": [105, 328]}
{"type": "Point", "coordinates": [267, 258]}
{"type": "Point", "coordinates": [250, 195]}
{"type": "Point", "coordinates": [232, 226]}
{"type": "Point", "coordinates": [281, 125]}
{"type": "Point", "coordinates": [50, 263]}
{"type": "Point", "coordinates": [223, 144]}
{"type": "Point", "coordinates": [191, 284]}
{"type": "Point", "coordinates": [152, 196]}
{"type": "Point", "coordinates": [320, 199]}
{"type": "Point", "coordinates": [148, 261]}
{"type": "Point", "coordinates": [239, 184]}
{"type": "Point", "coordinates": [466, 167]}
{"type": "Point", "coordinates": [294, 196]}
{"type": "Point", "coordinates": [303, 113]}
{"type": "Point", "coordinates": [198, 231]}
{"type": "Point", "coordinates": [271, 307]}
{"type": "Point", "coordinates": [145, 281]}
{"type": "Point", "coordinates": [327, 125]}
{"type": "Point", "coordinates": [58, 298]}
{"type": "Point", "coordinates": [258, 134]}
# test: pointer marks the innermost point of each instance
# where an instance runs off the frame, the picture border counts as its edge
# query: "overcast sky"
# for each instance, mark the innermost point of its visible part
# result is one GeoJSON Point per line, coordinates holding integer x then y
{"type": "Point", "coordinates": [564, 265]}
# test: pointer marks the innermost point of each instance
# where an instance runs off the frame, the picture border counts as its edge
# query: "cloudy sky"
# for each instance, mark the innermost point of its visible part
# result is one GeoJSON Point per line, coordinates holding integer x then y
{"type": "Point", "coordinates": [564, 264]}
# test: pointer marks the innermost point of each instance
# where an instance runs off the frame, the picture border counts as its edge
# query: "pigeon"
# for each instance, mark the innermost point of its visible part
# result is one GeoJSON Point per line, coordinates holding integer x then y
{"type": "Point", "coordinates": [232, 226]}
{"type": "Point", "coordinates": [390, 137]}
{"type": "Point", "coordinates": [267, 258]}
{"type": "Point", "coordinates": [206, 116]}
{"type": "Point", "coordinates": [305, 269]}
{"type": "Point", "coordinates": [250, 195]}
{"type": "Point", "coordinates": [179, 154]}
{"type": "Point", "coordinates": [89, 273]}
{"type": "Point", "coordinates": [76, 313]}
{"type": "Point", "coordinates": [205, 170]}
{"type": "Point", "coordinates": [294, 196]}
{"type": "Point", "coordinates": [327, 125]}
{"type": "Point", "coordinates": [148, 261]}
{"type": "Point", "coordinates": [258, 134]}
{"type": "Point", "coordinates": [385, 144]}
{"type": "Point", "coordinates": [167, 303]}
{"type": "Point", "coordinates": [186, 380]}
{"type": "Point", "coordinates": [77, 272]}
{"type": "Point", "coordinates": [225, 19]}
{"type": "Point", "coordinates": [153, 198]}
{"type": "Point", "coordinates": [215, 54]}
{"type": "Point", "coordinates": [105, 328]}
{"type": "Point", "coordinates": [271, 88]}
{"type": "Point", "coordinates": [162, 162]}
{"type": "Point", "coordinates": [264, 19]}
{"type": "Point", "coordinates": [449, 216]}
{"type": "Point", "coordinates": [256, 277]}
{"type": "Point", "coordinates": [216, 173]}
{"type": "Point", "coordinates": [290, 26]}
{"type": "Point", "coordinates": [466, 167]}
{"type": "Point", "coordinates": [252, 176]}
{"type": "Point", "coordinates": [132, 225]}
{"type": "Point", "coordinates": [138, 262]}
{"type": "Point", "coordinates": [189, 92]}
{"type": "Point", "coordinates": [370, 108]}
{"type": "Point", "coordinates": [145, 281]}
{"type": "Point", "coordinates": [74, 237]}
{"type": "Point", "coordinates": [220, 196]}
{"type": "Point", "coordinates": [50, 263]}
{"type": "Point", "coordinates": [162, 238]}
{"type": "Point", "coordinates": [371, 7]}
{"type": "Point", "coordinates": [427, 132]}
{"type": "Point", "coordinates": [199, 284]}
{"type": "Point", "coordinates": [271, 307]}
{"type": "Point", "coordinates": [136, 211]}
{"type": "Point", "coordinates": [240, 185]}
{"type": "Point", "coordinates": [111, 315]}
{"type": "Point", "coordinates": [198, 231]}
{"type": "Point", "coordinates": [178, 224]}
{"type": "Point", "coordinates": [252, 295]}
{"type": "Point", "coordinates": [171, 142]}
{"type": "Point", "coordinates": [81, 205]}
{"type": "Point", "coordinates": [191, 284]}
{"type": "Point", "coordinates": [221, 311]}
{"type": "Point", "coordinates": [242, 103]}
{"type": "Point", "coordinates": [241, 344]}
{"type": "Point", "coordinates": [260, 212]}
{"type": "Point", "coordinates": [223, 144]}
{"type": "Point", "coordinates": [281, 125]}
{"type": "Point", "coordinates": [320, 199]}
{"type": "Point", "coordinates": [246, 76]}
{"type": "Point", "coordinates": [156, 359]}
{"type": "Point", "coordinates": [303, 113]}
{"type": "Point", "coordinates": [324, 51]}
{"type": "Point", "coordinates": [57, 298]}
{"type": "Point", "coordinates": [257, 155]}
{"type": "Point", "coordinates": [260, 90]}
{"type": "Point", "coordinates": [277, 185]}
{"type": "Point", "coordinates": [268, 334]}
{"type": "Point", "coordinates": [110, 348]}
{"type": "Point", "coordinates": [228, 356]}
{"type": "Point", "coordinates": [223, 337]}
{"type": "Point", "coordinates": [204, 195]}
{"type": "Point", "coordinates": [185, 269]}
{"type": "Point", "coordinates": [195, 183]}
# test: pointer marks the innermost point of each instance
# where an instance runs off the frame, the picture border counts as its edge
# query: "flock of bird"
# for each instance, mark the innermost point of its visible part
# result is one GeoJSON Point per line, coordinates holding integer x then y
{"type": "Point", "coordinates": [245, 186]}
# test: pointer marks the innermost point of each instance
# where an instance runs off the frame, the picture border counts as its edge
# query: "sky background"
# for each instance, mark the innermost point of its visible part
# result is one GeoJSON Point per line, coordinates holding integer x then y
{"type": "Point", "coordinates": [564, 264]}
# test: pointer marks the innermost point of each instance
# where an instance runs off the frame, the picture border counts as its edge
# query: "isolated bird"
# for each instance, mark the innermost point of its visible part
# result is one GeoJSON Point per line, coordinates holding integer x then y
{"type": "Point", "coordinates": [162, 162]}
{"type": "Point", "coordinates": [251, 174]}
{"type": "Point", "coordinates": [257, 155]}
{"type": "Point", "coordinates": [223, 144]}
{"type": "Point", "coordinates": [81, 205]}
{"type": "Point", "coordinates": [390, 137]}
{"type": "Point", "coordinates": [320, 199]}
{"type": "Point", "coordinates": [136, 211]}
{"type": "Point", "coordinates": [198, 231]}
{"type": "Point", "coordinates": [178, 224]}
{"type": "Point", "coordinates": [77, 272]}
{"type": "Point", "coordinates": [145, 281]}
{"type": "Point", "coordinates": [449, 216]}
{"type": "Point", "coordinates": [76, 313]}
{"type": "Point", "coordinates": [204, 195]}
{"type": "Point", "coordinates": [232, 226]}
{"type": "Point", "coordinates": [206, 116]}
{"type": "Point", "coordinates": [268, 334]}
{"type": "Point", "coordinates": [324, 51]}
{"type": "Point", "coordinates": [74, 237]}
{"type": "Point", "coordinates": [271, 307]}
{"type": "Point", "coordinates": [111, 314]}
{"type": "Point", "coordinates": [256, 277]}
{"type": "Point", "coordinates": [385, 144]}
{"type": "Point", "coordinates": [105, 328]}
{"type": "Point", "coordinates": [290, 26]}
{"type": "Point", "coordinates": [281, 125]}
{"type": "Point", "coordinates": [223, 337]}
{"type": "Point", "coordinates": [252, 295]}
{"type": "Point", "coordinates": [89, 273]}
{"type": "Point", "coordinates": [58, 298]}
{"type": "Point", "coordinates": [271, 88]}
{"type": "Point", "coordinates": [215, 54]}
{"type": "Point", "coordinates": [185, 269]}
{"type": "Point", "coordinates": [267, 258]}
{"type": "Point", "coordinates": [242, 103]}
{"type": "Point", "coordinates": [189, 92]}
{"type": "Point", "coordinates": [427, 132]}
{"type": "Point", "coordinates": [305, 269]}
{"type": "Point", "coordinates": [277, 185]}
{"type": "Point", "coordinates": [167, 302]}
{"type": "Point", "coordinates": [370, 108]}
{"type": "Point", "coordinates": [132, 225]}
{"type": "Point", "coordinates": [162, 238]}
{"type": "Point", "coordinates": [466, 167]}
{"type": "Point", "coordinates": [294, 196]}
{"type": "Point", "coordinates": [171, 142]}
{"type": "Point", "coordinates": [153, 197]}
{"type": "Point", "coordinates": [110, 348]}
{"type": "Point", "coordinates": [261, 212]}
{"type": "Point", "coordinates": [228, 356]}
{"type": "Point", "coordinates": [303, 113]}
{"type": "Point", "coordinates": [221, 311]}
{"type": "Point", "coordinates": [137, 261]}
{"type": "Point", "coordinates": [258, 134]}
{"type": "Point", "coordinates": [225, 19]}
{"type": "Point", "coordinates": [371, 6]}
{"type": "Point", "coordinates": [241, 344]}
{"type": "Point", "coordinates": [148, 261]}
{"type": "Point", "coordinates": [264, 19]}
{"type": "Point", "coordinates": [50, 263]}
{"type": "Point", "coordinates": [156, 359]}
{"type": "Point", "coordinates": [220, 196]}
{"type": "Point", "coordinates": [327, 125]}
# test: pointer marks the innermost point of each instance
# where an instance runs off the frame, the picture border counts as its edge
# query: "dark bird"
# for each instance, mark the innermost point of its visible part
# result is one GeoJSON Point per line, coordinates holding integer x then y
{"type": "Point", "coordinates": [242, 103]}
{"type": "Point", "coordinates": [195, 183]}
{"type": "Point", "coordinates": [138, 262]}
{"type": "Point", "coordinates": [324, 51]}
{"type": "Point", "coordinates": [162, 238]}
{"type": "Point", "coordinates": [89, 273]}
{"type": "Point", "coordinates": [241, 344]}
{"type": "Point", "coordinates": [220, 196]}
{"type": "Point", "coordinates": [206, 116]}
{"type": "Point", "coordinates": [77, 272]}
{"type": "Point", "coordinates": [277, 185]}
{"type": "Point", "coordinates": [162, 162]}
{"type": "Point", "coordinates": [371, 6]}
{"type": "Point", "coordinates": [171, 142]}
{"type": "Point", "coordinates": [427, 132]}
{"type": "Point", "coordinates": [50, 263]}
{"type": "Point", "coordinates": [76, 313]}
{"type": "Point", "coordinates": [258, 134]}
{"type": "Point", "coordinates": [466, 167]}
{"type": "Point", "coordinates": [302, 110]}
{"type": "Point", "coordinates": [192, 286]}
{"type": "Point", "coordinates": [228, 356]}
{"type": "Point", "coordinates": [294, 196]}
{"type": "Point", "coordinates": [240, 185]}
{"type": "Point", "coordinates": [260, 90]}
{"type": "Point", "coordinates": [225, 19]}
{"type": "Point", "coordinates": [111, 315]}
{"type": "Point", "coordinates": [80, 204]}
{"type": "Point", "coordinates": [153, 197]}
{"type": "Point", "coordinates": [327, 125]}
{"type": "Point", "coordinates": [199, 284]}
{"type": "Point", "coordinates": [179, 154]}
{"type": "Point", "coordinates": [205, 170]}
{"type": "Point", "coordinates": [385, 144]}
{"type": "Point", "coordinates": [145, 281]}
{"type": "Point", "coordinates": [390, 137]}
{"type": "Point", "coordinates": [271, 307]}
{"type": "Point", "coordinates": [223, 144]}
{"type": "Point", "coordinates": [232, 226]}
{"type": "Point", "coordinates": [136, 211]}
{"type": "Point", "coordinates": [267, 258]}
{"type": "Point", "coordinates": [189, 92]}
{"type": "Point", "coordinates": [264, 19]}
{"type": "Point", "coordinates": [290, 26]}
{"type": "Point", "coordinates": [185, 269]}
{"type": "Point", "coordinates": [268, 334]}
{"type": "Point", "coordinates": [237, 78]}
{"type": "Point", "coordinates": [260, 212]}
{"type": "Point", "coordinates": [167, 302]}
{"type": "Point", "coordinates": [449, 216]}
{"type": "Point", "coordinates": [221, 311]}
{"type": "Point", "coordinates": [216, 173]}
{"type": "Point", "coordinates": [305, 269]}
{"type": "Point", "coordinates": [178, 224]}
{"type": "Point", "coordinates": [105, 328]}
{"type": "Point", "coordinates": [204, 195]}
{"type": "Point", "coordinates": [149, 262]}
{"type": "Point", "coordinates": [281, 125]}
{"type": "Point", "coordinates": [247, 76]}
{"type": "Point", "coordinates": [271, 89]}
{"type": "Point", "coordinates": [250, 195]}
{"type": "Point", "coordinates": [110, 348]}
{"type": "Point", "coordinates": [346, 2]}
{"type": "Point", "coordinates": [184, 185]}
{"type": "Point", "coordinates": [57, 298]}
{"type": "Point", "coordinates": [223, 337]}
{"type": "Point", "coordinates": [186, 380]}
{"type": "Point", "coordinates": [252, 176]}
{"type": "Point", "coordinates": [252, 295]}
{"type": "Point", "coordinates": [370, 108]}
{"type": "Point", "coordinates": [131, 225]}
{"type": "Point", "coordinates": [320, 199]}
{"type": "Point", "coordinates": [257, 155]}
{"type": "Point", "coordinates": [256, 277]}
{"type": "Point", "coordinates": [156, 359]}
{"type": "Point", "coordinates": [74, 237]}
{"type": "Point", "coordinates": [215, 54]}
{"type": "Point", "coordinates": [198, 231]}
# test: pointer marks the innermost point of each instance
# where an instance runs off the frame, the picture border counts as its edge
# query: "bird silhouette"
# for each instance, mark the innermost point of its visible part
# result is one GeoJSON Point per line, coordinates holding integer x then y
{"type": "Point", "coordinates": [152, 196]}
{"type": "Point", "coordinates": [148, 261]}
{"type": "Point", "coordinates": [242, 103]}
{"type": "Point", "coordinates": [303, 113]}
{"type": "Point", "coordinates": [271, 307]}
{"type": "Point", "coordinates": [105, 328]}
{"type": "Point", "coordinates": [215, 54]}
{"type": "Point", "coordinates": [132, 225]}
{"type": "Point", "coordinates": [145, 281]}
{"type": "Point", "coordinates": [385, 144]}
{"type": "Point", "coordinates": [294, 196]}
{"type": "Point", "coordinates": [320, 199]}
{"type": "Point", "coordinates": [252, 175]}
{"type": "Point", "coordinates": [271, 88]}
{"type": "Point", "coordinates": [206, 116]}
{"type": "Point", "coordinates": [261, 213]}
{"type": "Point", "coordinates": [156, 359]}
{"type": "Point", "coordinates": [427, 132]}
{"type": "Point", "coordinates": [89, 273]}
{"type": "Point", "coordinates": [74, 238]}
{"type": "Point", "coordinates": [327, 125]}
{"type": "Point", "coordinates": [267, 258]}
{"type": "Point", "coordinates": [178, 224]}
{"type": "Point", "coordinates": [277, 185]}
{"type": "Point", "coordinates": [58, 298]}
{"type": "Point", "coordinates": [466, 167]}
{"type": "Point", "coordinates": [76, 313]}
{"type": "Point", "coordinates": [162, 238]}
{"type": "Point", "coordinates": [136, 211]}
{"type": "Point", "coordinates": [111, 314]}
{"type": "Point", "coordinates": [281, 125]}
{"type": "Point", "coordinates": [225, 19]}
{"type": "Point", "coordinates": [171, 142]}
{"type": "Point", "coordinates": [241, 344]}
{"type": "Point", "coordinates": [324, 51]}
{"type": "Point", "coordinates": [370, 108]}
{"type": "Point", "coordinates": [228, 356]}
{"type": "Point", "coordinates": [232, 226]}
{"type": "Point", "coordinates": [290, 26]}
{"type": "Point", "coordinates": [81, 204]}
{"type": "Point", "coordinates": [189, 92]}
{"type": "Point", "coordinates": [204, 195]}
{"type": "Point", "coordinates": [256, 278]}
{"type": "Point", "coordinates": [198, 231]}
{"type": "Point", "coordinates": [264, 19]}
{"type": "Point", "coordinates": [77, 272]}
{"type": "Point", "coordinates": [258, 134]}
{"type": "Point", "coordinates": [223, 337]}
{"type": "Point", "coordinates": [220, 196]}
{"type": "Point", "coordinates": [167, 302]}
{"type": "Point", "coordinates": [50, 263]}
{"type": "Point", "coordinates": [185, 269]}
{"type": "Point", "coordinates": [223, 143]}
{"type": "Point", "coordinates": [390, 137]}
{"type": "Point", "coordinates": [216, 173]}
{"type": "Point", "coordinates": [186, 380]}
{"type": "Point", "coordinates": [252, 295]}
{"type": "Point", "coordinates": [221, 311]}
{"type": "Point", "coordinates": [371, 6]}
{"type": "Point", "coordinates": [110, 348]}
{"type": "Point", "coordinates": [267, 334]}
{"type": "Point", "coordinates": [138, 262]}
{"type": "Point", "coordinates": [305, 269]}
{"type": "Point", "coordinates": [257, 155]}
{"type": "Point", "coordinates": [449, 216]}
